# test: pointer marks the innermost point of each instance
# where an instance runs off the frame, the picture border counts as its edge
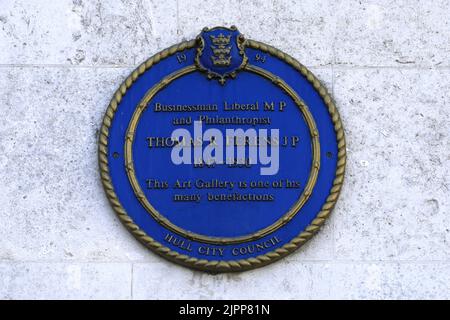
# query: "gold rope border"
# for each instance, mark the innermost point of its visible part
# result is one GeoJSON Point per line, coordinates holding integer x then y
{"type": "Point", "coordinates": [214, 265]}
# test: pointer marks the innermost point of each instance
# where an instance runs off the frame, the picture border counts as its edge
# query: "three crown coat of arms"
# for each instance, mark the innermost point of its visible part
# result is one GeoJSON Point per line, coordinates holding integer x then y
{"type": "Point", "coordinates": [221, 52]}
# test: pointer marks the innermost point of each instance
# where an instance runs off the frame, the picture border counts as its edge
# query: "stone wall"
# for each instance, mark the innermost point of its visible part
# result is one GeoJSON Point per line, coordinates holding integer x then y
{"type": "Point", "coordinates": [387, 64]}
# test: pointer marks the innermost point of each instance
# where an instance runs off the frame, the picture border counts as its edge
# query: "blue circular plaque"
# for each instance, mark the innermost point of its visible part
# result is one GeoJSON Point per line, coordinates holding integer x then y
{"type": "Point", "coordinates": [222, 153]}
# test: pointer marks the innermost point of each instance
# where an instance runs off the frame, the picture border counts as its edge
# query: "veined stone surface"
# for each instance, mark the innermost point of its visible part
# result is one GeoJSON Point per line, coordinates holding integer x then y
{"type": "Point", "coordinates": [387, 65]}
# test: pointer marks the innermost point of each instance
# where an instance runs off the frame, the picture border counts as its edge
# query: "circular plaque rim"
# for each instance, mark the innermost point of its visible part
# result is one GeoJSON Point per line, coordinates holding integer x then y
{"type": "Point", "coordinates": [217, 265]}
